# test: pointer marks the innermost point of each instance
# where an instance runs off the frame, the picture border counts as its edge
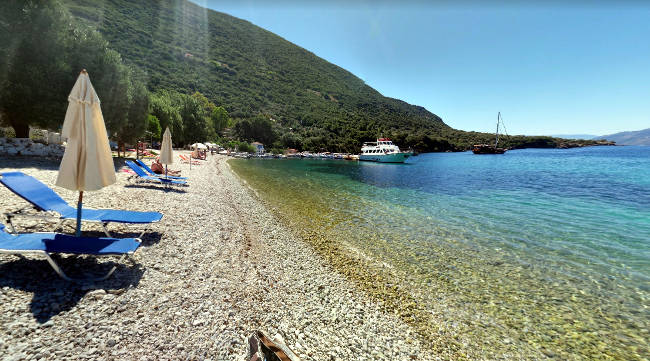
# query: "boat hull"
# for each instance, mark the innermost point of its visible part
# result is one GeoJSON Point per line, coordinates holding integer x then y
{"type": "Point", "coordinates": [485, 149]}
{"type": "Point", "coordinates": [385, 158]}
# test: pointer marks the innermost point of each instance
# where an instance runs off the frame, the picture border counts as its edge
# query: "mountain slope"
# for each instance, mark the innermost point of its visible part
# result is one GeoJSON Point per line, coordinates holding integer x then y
{"type": "Point", "coordinates": [251, 71]}
{"type": "Point", "coordinates": [246, 69]}
{"type": "Point", "coordinates": [639, 137]}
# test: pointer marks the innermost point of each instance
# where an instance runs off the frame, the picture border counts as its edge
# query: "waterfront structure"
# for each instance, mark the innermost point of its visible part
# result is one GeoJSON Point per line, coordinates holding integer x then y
{"type": "Point", "coordinates": [259, 148]}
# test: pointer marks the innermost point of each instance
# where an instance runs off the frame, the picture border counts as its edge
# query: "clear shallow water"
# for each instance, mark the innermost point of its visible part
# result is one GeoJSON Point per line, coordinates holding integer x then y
{"type": "Point", "coordinates": [528, 254]}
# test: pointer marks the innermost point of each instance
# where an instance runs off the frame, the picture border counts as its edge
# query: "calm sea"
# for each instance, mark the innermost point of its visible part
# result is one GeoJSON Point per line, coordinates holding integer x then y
{"type": "Point", "coordinates": [535, 253]}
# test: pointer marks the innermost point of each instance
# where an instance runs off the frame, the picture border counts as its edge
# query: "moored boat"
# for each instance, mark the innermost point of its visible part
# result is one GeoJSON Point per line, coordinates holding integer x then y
{"type": "Point", "coordinates": [488, 148]}
{"type": "Point", "coordinates": [383, 151]}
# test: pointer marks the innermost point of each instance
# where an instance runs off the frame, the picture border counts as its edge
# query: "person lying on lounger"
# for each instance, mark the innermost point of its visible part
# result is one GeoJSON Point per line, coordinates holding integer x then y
{"type": "Point", "coordinates": [198, 154]}
{"type": "Point", "coordinates": [158, 168]}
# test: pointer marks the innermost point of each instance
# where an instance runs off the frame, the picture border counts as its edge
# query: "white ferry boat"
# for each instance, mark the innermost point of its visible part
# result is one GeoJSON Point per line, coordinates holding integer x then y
{"type": "Point", "coordinates": [384, 151]}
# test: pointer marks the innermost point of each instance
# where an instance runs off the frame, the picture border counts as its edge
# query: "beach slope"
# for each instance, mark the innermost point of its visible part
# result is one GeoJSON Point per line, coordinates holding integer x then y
{"type": "Point", "coordinates": [218, 266]}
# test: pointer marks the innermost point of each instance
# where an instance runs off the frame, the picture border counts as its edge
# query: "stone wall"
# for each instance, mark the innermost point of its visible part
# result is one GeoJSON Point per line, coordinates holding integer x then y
{"type": "Point", "coordinates": [26, 146]}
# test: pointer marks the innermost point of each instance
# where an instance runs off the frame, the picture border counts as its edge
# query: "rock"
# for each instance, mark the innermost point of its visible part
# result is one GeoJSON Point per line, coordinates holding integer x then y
{"type": "Point", "coordinates": [97, 294]}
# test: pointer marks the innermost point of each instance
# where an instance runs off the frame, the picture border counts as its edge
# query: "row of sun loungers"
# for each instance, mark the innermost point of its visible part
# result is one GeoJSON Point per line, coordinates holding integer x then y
{"type": "Point", "coordinates": [49, 205]}
{"type": "Point", "coordinates": [47, 202]}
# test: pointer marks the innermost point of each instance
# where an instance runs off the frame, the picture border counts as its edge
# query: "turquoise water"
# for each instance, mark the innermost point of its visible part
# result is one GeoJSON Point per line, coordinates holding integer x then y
{"type": "Point", "coordinates": [552, 246]}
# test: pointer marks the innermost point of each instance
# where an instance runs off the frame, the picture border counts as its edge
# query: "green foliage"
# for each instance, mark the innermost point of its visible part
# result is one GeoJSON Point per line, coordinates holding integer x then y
{"type": "Point", "coordinates": [44, 61]}
{"type": "Point", "coordinates": [246, 147]}
{"type": "Point", "coordinates": [37, 72]}
{"type": "Point", "coordinates": [162, 107]}
{"type": "Point", "coordinates": [249, 71]}
{"type": "Point", "coordinates": [195, 120]}
{"type": "Point", "coordinates": [240, 146]}
{"type": "Point", "coordinates": [220, 119]}
{"type": "Point", "coordinates": [279, 93]}
{"type": "Point", "coordinates": [153, 126]}
{"type": "Point", "coordinates": [258, 128]}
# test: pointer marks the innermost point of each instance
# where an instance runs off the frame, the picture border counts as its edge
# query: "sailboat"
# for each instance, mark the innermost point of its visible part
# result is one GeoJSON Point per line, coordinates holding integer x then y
{"type": "Point", "coordinates": [488, 148]}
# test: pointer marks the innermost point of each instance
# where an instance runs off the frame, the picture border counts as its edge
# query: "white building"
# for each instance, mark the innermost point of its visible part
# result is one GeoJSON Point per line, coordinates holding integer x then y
{"type": "Point", "coordinates": [259, 148]}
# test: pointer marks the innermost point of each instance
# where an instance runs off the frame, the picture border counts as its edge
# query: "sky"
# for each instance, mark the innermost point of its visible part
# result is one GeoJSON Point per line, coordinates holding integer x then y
{"type": "Point", "coordinates": [549, 68]}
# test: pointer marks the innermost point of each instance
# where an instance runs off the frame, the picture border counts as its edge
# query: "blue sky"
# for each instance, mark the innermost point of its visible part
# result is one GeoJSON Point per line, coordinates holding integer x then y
{"type": "Point", "coordinates": [549, 68]}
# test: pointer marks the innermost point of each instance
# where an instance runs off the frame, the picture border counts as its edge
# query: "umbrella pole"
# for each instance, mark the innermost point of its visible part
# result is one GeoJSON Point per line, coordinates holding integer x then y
{"type": "Point", "coordinates": [165, 170]}
{"type": "Point", "coordinates": [81, 197]}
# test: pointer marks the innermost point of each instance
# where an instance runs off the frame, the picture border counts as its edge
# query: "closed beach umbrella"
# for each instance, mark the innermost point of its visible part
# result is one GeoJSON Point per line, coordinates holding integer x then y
{"type": "Point", "coordinates": [166, 152]}
{"type": "Point", "coordinates": [87, 163]}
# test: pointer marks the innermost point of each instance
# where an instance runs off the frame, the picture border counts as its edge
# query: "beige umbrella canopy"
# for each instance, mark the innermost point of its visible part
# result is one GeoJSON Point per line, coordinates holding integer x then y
{"type": "Point", "coordinates": [87, 163]}
{"type": "Point", "coordinates": [166, 152]}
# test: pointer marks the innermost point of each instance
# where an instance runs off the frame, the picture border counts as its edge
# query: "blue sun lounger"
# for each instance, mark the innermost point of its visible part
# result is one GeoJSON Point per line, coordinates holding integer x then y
{"type": "Point", "coordinates": [154, 174]}
{"type": "Point", "coordinates": [46, 244]}
{"type": "Point", "coordinates": [141, 174]}
{"type": "Point", "coordinates": [43, 198]}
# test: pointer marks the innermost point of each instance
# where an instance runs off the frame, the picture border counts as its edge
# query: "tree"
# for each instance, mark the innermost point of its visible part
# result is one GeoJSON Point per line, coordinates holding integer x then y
{"type": "Point", "coordinates": [195, 120]}
{"type": "Point", "coordinates": [45, 62]}
{"type": "Point", "coordinates": [38, 77]}
{"type": "Point", "coordinates": [258, 128]}
{"type": "Point", "coordinates": [220, 119]}
{"type": "Point", "coordinates": [218, 116]}
{"type": "Point", "coordinates": [153, 126]}
{"type": "Point", "coordinates": [162, 107]}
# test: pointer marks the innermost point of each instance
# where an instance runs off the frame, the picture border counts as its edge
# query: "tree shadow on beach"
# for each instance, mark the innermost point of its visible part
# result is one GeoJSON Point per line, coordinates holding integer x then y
{"type": "Point", "coordinates": [53, 295]}
{"type": "Point", "coordinates": [161, 187]}
{"type": "Point", "coordinates": [19, 162]}
{"type": "Point", "coordinates": [45, 163]}
{"type": "Point", "coordinates": [148, 239]}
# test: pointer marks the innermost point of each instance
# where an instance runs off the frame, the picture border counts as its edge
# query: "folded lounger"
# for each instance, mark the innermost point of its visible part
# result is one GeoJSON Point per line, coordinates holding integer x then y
{"type": "Point", "coordinates": [43, 198]}
{"type": "Point", "coordinates": [141, 174]}
{"type": "Point", "coordinates": [154, 174]}
{"type": "Point", "coordinates": [46, 244]}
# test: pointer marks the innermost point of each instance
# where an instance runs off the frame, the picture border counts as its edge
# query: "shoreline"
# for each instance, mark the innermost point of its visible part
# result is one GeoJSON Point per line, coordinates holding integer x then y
{"type": "Point", "coordinates": [463, 303]}
{"type": "Point", "coordinates": [217, 266]}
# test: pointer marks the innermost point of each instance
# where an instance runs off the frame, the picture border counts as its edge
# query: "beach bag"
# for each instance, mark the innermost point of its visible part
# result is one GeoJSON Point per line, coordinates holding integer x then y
{"type": "Point", "coordinates": [263, 348]}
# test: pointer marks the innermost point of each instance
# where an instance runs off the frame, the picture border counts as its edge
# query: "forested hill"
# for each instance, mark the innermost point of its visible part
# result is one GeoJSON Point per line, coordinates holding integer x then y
{"type": "Point", "coordinates": [312, 103]}
{"type": "Point", "coordinates": [249, 70]}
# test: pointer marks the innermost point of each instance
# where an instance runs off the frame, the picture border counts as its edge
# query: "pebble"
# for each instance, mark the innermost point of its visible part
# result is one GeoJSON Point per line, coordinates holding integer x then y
{"type": "Point", "coordinates": [218, 266]}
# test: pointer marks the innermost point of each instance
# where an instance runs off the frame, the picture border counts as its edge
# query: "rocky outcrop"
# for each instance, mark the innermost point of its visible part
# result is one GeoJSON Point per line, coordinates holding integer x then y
{"type": "Point", "coordinates": [26, 146]}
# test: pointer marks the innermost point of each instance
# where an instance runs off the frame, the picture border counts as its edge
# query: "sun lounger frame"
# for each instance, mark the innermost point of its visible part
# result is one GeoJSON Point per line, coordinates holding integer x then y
{"type": "Point", "coordinates": [149, 171]}
{"type": "Point", "coordinates": [59, 270]}
{"type": "Point", "coordinates": [23, 213]}
{"type": "Point", "coordinates": [144, 177]}
{"type": "Point", "coordinates": [189, 160]}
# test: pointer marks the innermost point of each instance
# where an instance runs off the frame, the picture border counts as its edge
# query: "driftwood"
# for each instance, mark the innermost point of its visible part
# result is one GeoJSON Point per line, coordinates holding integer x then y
{"type": "Point", "coordinates": [264, 348]}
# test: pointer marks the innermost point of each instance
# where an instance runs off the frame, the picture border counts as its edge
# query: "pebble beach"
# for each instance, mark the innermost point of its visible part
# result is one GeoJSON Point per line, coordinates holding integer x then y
{"type": "Point", "coordinates": [218, 266]}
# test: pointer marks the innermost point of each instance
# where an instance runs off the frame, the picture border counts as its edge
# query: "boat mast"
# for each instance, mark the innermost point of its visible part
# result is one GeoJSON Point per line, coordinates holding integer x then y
{"type": "Point", "coordinates": [497, 141]}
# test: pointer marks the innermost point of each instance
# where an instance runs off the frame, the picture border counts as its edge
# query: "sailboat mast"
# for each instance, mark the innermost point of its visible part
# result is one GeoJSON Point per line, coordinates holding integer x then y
{"type": "Point", "coordinates": [497, 141]}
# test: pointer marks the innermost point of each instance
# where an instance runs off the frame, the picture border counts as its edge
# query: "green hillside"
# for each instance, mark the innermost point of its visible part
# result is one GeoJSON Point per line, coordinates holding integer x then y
{"type": "Point", "coordinates": [249, 70]}
{"type": "Point", "coordinates": [263, 81]}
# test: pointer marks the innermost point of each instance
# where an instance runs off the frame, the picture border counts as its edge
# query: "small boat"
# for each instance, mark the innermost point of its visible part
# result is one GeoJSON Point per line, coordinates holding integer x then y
{"type": "Point", "coordinates": [488, 148]}
{"type": "Point", "coordinates": [383, 151]}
